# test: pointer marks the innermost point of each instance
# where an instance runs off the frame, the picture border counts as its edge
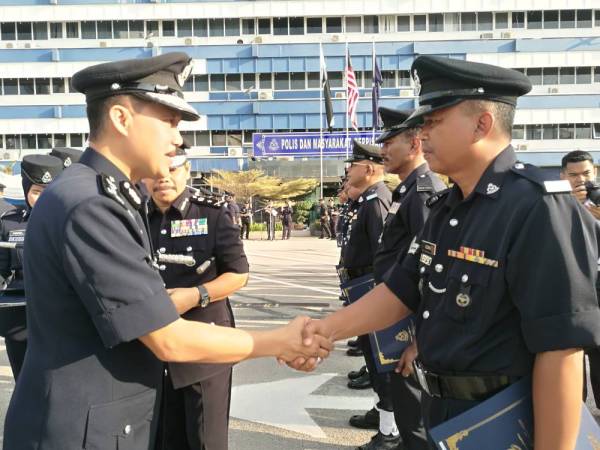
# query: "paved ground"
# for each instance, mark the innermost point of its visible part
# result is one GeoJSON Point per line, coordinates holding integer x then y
{"type": "Point", "coordinates": [274, 407]}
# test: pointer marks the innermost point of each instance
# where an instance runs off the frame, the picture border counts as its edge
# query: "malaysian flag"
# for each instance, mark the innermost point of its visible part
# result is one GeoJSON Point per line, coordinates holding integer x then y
{"type": "Point", "coordinates": [377, 80]}
{"type": "Point", "coordinates": [326, 92]}
{"type": "Point", "coordinates": [352, 93]}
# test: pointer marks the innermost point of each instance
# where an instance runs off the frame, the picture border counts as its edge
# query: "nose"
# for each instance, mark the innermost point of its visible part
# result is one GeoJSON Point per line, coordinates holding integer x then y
{"type": "Point", "coordinates": [177, 138]}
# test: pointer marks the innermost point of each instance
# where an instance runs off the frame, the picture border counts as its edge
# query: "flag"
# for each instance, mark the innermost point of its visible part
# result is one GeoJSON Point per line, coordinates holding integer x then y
{"type": "Point", "coordinates": [352, 93]}
{"type": "Point", "coordinates": [326, 92]}
{"type": "Point", "coordinates": [377, 80]}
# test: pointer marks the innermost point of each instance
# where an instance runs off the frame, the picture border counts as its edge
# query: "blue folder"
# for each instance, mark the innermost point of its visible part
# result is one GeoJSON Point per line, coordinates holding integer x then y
{"type": "Point", "coordinates": [505, 421]}
{"type": "Point", "coordinates": [388, 344]}
{"type": "Point", "coordinates": [357, 287]}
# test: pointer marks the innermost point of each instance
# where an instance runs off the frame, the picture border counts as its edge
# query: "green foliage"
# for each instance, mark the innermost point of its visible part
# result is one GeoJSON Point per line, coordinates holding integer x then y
{"type": "Point", "coordinates": [302, 211]}
{"type": "Point", "coordinates": [256, 226]}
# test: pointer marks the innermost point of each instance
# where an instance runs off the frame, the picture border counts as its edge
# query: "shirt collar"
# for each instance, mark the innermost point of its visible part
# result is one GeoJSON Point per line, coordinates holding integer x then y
{"type": "Point", "coordinates": [407, 183]}
{"type": "Point", "coordinates": [181, 204]}
{"type": "Point", "coordinates": [101, 164]}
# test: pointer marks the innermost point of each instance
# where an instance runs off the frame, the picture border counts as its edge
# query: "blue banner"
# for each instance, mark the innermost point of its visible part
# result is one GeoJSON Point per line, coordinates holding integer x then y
{"type": "Point", "coordinates": [307, 144]}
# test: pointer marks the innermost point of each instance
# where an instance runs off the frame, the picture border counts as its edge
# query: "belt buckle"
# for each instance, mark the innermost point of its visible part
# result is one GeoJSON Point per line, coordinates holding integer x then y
{"type": "Point", "coordinates": [426, 380]}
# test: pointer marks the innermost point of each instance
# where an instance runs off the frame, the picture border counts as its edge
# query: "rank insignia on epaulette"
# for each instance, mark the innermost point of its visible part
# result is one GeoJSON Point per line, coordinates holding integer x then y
{"type": "Point", "coordinates": [372, 196]}
{"type": "Point", "coordinates": [131, 194]}
{"type": "Point", "coordinates": [472, 255]}
{"type": "Point", "coordinates": [189, 227]}
{"type": "Point", "coordinates": [109, 187]}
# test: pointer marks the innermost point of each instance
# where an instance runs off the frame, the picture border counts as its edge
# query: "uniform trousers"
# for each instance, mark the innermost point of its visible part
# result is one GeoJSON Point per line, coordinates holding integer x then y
{"type": "Point", "coordinates": [438, 410]}
{"type": "Point", "coordinates": [406, 398]}
{"type": "Point", "coordinates": [196, 417]}
{"type": "Point", "coordinates": [245, 228]}
{"type": "Point", "coordinates": [287, 230]}
{"type": "Point", "coordinates": [13, 327]}
{"type": "Point", "coordinates": [325, 230]}
{"type": "Point", "coordinates": [381, 382]}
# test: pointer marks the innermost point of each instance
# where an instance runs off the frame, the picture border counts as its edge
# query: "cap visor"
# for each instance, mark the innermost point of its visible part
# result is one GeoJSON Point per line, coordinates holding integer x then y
{"type": "Point", "coordinates": [177, 103]}
{"type": "Point", "coordinates": [417, 117]}
{"type": "Point", "coordinates": [178, 161]}
{"type": "Point", "coordinates": [390, 134]}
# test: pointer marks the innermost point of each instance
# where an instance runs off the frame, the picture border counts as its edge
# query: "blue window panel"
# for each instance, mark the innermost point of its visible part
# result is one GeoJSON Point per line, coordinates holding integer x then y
{"type": "Point", "coordinates": [264, 65]}
{"type": "Point", "coordinates": [558, 101]}
{"type": "Point", "coordinates": [389, 62]}
{"type": "Point", "coordinates": [281, 65]}
{"type": "Point", "coordinates": [25, 55]}
{"type": "Point", "coordinates": [312, 121]}
{"type": "Point", "coordinates": [264, 122]}
{"type": "Point", "coordinates": [247, 65]}
{"type": "Point", "coordinates": [220, 96]}
{"type": "Point", "coordinates": [247, 122]}
{"type": "Point", "coordinates": [73, 111]}
{"type": "Point", "coordinates": [447, 47]}
{"type": "Point", "coordinates": [393, 48]}
{"type": "Point", "coordinates": [284, 95]}
{"type": "Point", "coordinates": [231, 65]}
{"type": "Point", "coordinates": [297, 64]}
{"type": "Point", "coordinates": [214, 51]}
{"type": "Point", "coordinates": [404, 62]}
{"type": "Point", "coordinates": [103, 54]}
{"type": "Point", "coordinates": [218, 150]}
{"type": "Point", "coordinates": [281, 122]}
{"type": "Point", "coordinates": [215, 122]}
{"type": "Point", "coordinates": [208, 164]}
{"type": "Point", "coordinates": [336, 63]}
{"type": "Point", "coordinates": [231, 122]}
{"type": "Point", "coordinates": [214, 66]}
{"type": "Point", "coordinates": [297, 122]}
{"type": "Point", "coordinates": [312, 64]}
{"type": "Point", "coordinates": [27, 112]}
{"type": "Point", "coordinates": [559, 44]}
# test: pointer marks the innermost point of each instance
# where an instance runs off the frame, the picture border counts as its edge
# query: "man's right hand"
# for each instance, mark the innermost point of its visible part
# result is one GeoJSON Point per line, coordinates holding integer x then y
{"type": "Point", "coordinates": [580, 193]}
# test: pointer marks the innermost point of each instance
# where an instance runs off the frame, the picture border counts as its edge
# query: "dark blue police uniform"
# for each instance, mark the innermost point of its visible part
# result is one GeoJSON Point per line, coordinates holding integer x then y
{"type": "Point", "coordinates": [286, 221]}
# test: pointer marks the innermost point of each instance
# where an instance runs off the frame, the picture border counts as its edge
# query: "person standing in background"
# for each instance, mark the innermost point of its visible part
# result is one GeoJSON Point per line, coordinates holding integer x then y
{"type": "Point", "coordinates": [286, 219]}
{"type": "Point", "coordinates": [246, 219]}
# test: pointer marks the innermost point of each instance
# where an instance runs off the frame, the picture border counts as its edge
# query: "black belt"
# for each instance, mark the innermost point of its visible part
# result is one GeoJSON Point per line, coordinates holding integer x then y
{"type": "Point", "coordinates": [350, 274]}
{"type": "Point", "coordinates": [461, 387]}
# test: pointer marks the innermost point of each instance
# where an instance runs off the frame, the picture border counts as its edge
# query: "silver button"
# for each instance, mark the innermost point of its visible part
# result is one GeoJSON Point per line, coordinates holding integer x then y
{"type": "Point", "coordinates": [453, 222]}
{"type": "Point", "coordinates": [425, 314]}
{"type": "Point", "coordinates": [422, 270]}
{"type": "Point", "coordinates": [127, 429]}
{"type": "Point", "coordinates": [162, 267]}
{"type": "Point", "coordinates": [189, 249]}
{"type": "Point", "coordinates": [141, 231]}
{"type": "Point", "coordinates": [439, 268]}
{"type": "Point", "coordinates": [464, 278]}
{"type": "Point", "coordinates": [163, 231]}
{"type": "Point", "coordinates": [519, 166]}
{"type": "Point", "coordinates": [162, 249]}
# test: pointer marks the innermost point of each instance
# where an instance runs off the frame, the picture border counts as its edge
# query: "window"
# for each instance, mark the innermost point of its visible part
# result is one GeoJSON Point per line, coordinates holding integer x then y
{"type": "Point", "coordinates": [550, 131]}
{"type": "Point", "coordinates": [232, 27]}
{"type": "Point", "coordinates": [367, 79]}
{"type": "Point", "coordinates": [13, 141]}
{"type": "Point", "coordinates": [168, 28]}
{"type": "Point", "coordinates": [88, 30]}
{"type": "Point", "coordinates": [371, 24]}
{"type": "Point", "coordinates": [184, 28]}
{"type": "Point", "coordinates": [518, 20]}
{"type": "Point", "coordinates": [40, 31]}
{"type": "Point", "coordinates": [200, 27]}
{"type": "Point", "coordinates": [234, 138]}
{"type": "Point", "coordinates": [485, 21]}
{"type": "Point", "coordinates": [551, 19]}
{"type": "Point", "coordinates": [28, 141]}
{"type": "Point", "coordinates": [26, 86]}
{"type": "Point", "coordinates": [201, 83]}
{"type": "Point", "coordinates": [233, 82]}
{"type": "Point", "coordinates": [584, 75]}
{"type": "Point", "coordinates": [24, 31]}
{"type": "Point", "coordinates": [247, 136]}
{"type": "Point", "coordinates": [297, 81]}
{"type": "Point", "coordinates": [105, 29]}
{"type": "Point", "coordinates": [468, 21]}
{"type": "Point", "coordinates": [534, 20]}
{"type": "Point", "coordinates": [282, 81]}
{"type": "Point", "coordinates": [219, 138]}
{"type": "Point", "coordinates": [420, 22]}
{"type": "Point", "coordinates": [265, 81]}
{"type": "Point", "coordinates": [152, 29]}
{"type": "Point", "coordinates": [597, 21]}
{"type": "Point", "coordinates": [403, 23]}
{"type": "Point", "coordinates": [584, 18]}
{"type": "Point", "coordinates": [353, 25]}
{"type": "Point", "coordinates": [566, 131]}
{"type": "Point", "coordinates": [314, 25]}
{"type": "Point", "coordinates": [280, 26]}
{"type": "Point", "coordinates": [296, 25]}
{"type": "Point", "coordinates": [596, 131]}
{"type": "Point", "coordinates": [597, 75]}
{"type": "Point", "coordinates": [44, 141]}
{"type": "Point", "coordinates": [336, 79]}
{"type": "Point", "coordinates": [389, 78]}
{"type": "Point", "coordinates": [567, 19]}
{"type": "Point", "coordinates": [188, 137]}
{"type": "Point", "coordinates": [11, 86]}
{"type": "Point", "coordinates": [436, 22]}
{"type": "Point", "coordinates": [217, 82]}
{"type": "Point", "coordinates": [72, 30]}
{"type": "Point", "coordinates": [249, 80]}
{"type": "Point", "coordinates": [404, 78]}
{"type": "Point", "coordinates": [452, 22]}
{"type": "Point", "coordinates": [533, 132]}
{"type": "Point", "coordinates": [264, 26]}
{"type": "Point", "coordinates": [56, 30]}
{"type": "Point", "coordinates": [58, 85]}
{"type": "Point", "coordinates": [501, 21]}
{"type": "Point", "coordinates": [313, 80]}
{"type": "Point", "coordinates": [8, 31]}
{"type": "Point", "coordinates": [567, 75]}
{"type": "Point", "coordinates": [203, 138]}
{"type": "Point", "coordinates": [216, 27]}
{"type": "Point", "coordinates": [247, 26]}
{"type": "Point", "coordinates": [136, 29]}
{"type": "Point", "coordinates": [333, 24]}
{"type": "Point", "coordinates": [518, 132]}
{"type": "Point", "coordinates": [120, 29]}
{"type": "Point", "coordinates": [535, 75]}
{"type": "Point", "coordinates": [188, 85]}
{"type": "Point", "coordinates": [550, 75]}
{"type": "Point", "coordinates": [60, 140]}
{"type": "Point", "coordinates": [583, 131]}
{"type": "Point", "coordinates": [76, 140]}
{"type": "Point", "coordinates": [42, 86]}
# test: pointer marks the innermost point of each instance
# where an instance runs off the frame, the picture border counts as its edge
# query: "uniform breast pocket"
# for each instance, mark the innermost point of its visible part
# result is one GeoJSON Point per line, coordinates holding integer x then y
{"type": "Point", "coordinates": [121, 425]}
{"type": "Point", "coordinates": [466, 290]}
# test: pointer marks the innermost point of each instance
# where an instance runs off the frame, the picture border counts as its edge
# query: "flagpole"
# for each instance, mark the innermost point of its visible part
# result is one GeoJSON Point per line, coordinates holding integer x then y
{"type": "Point", "coordinates": [373, 89]}
{"type": "Point", "coordinates": [347, 98]}
{"type": "Point", "coordinates": [321, 58]}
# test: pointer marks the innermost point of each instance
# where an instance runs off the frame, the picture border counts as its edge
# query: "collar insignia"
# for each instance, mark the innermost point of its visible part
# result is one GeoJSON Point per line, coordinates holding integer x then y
{"type": "Point", "coordinates": [492, 189]}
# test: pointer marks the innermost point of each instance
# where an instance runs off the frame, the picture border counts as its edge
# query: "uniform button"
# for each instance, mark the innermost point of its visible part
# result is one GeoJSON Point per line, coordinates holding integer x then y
{"type": "Point", "coordinates": [189, 249]}
{"type": "Point", "coordinates": [127, 429]}
{"type": "Point", "coordinates": [464, 278]}
{"type": "Point", "coordinates": [453, 222]}
{"type": "Point", "coordinates": [162, 267]}
{"type": "Point", "coordinates": [425, 314]}
{"type": "Point", "coordinates": [163, 231]}
{"type": "Point", "coordinates": [162, 249]}
{"type": "Point", "coordinates": [422, 270]}
{"type": "Point", "coordinates": [439, 268]}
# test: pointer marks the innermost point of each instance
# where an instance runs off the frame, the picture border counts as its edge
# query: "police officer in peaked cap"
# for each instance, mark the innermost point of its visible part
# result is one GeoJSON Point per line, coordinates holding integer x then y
{"type": "Point", "coordinates": [37, 172]}
{"type": "Point", "coordinates": [502, 275]}
{"type": "Point", "coordinates": [99, 318]}
{"type": "Point", "coordinates": [67, 155]}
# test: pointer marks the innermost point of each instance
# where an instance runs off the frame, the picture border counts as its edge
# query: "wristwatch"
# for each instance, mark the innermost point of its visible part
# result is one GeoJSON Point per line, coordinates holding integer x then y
{"type": "Point", "coordinates": [204, 296]}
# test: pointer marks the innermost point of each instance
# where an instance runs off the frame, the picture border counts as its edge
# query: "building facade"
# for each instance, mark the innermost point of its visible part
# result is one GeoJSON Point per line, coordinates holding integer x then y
{"type": "Point", "coordinates": [256, 66]}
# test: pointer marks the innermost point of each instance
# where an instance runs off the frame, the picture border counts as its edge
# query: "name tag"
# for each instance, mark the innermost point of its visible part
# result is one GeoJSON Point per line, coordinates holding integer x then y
{"type": "Point", "coordinates": [394, 208]}
{"type": "Point", "coordinates": [190, 227]}
{"type": "Point", "coordinates": [16, 236]}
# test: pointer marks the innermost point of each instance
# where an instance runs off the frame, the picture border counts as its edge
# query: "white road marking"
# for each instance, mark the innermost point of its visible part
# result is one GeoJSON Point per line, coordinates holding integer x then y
{"type": "Point", "coordinates": [287, 283]}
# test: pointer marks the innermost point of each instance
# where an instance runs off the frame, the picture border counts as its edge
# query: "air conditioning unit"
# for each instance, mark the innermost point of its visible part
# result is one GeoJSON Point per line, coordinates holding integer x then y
{"type": "Point", "coordinates": [188, 41]}
{"type": "Point", "coordinates": [407, 92]}
{"type": "Point", "coordinates": [258, 40]}
{"type": "Point", "coordinates": [522, 147]}
{"type": "Point", "coordinates": [552, 90]}
{"type": "Point", "coordinates": [53, 2]}
{"type": "Point", "coordinates": [154, 1]}
{"type": "Point", "coordinates": [340, 94]}
{"type": "Point", "coordinates": [9, 45]}
{"type": "Point", "coordinates": [486, 36]}
{"type": "Point", "coordinates": [234, 151]}
{"type": "Point", "coordinates": [335, 38]}
{"type": "Point", "coordinates": [506, 35]}
{"type": "Point", "coordinates": [265, 94]}
{"type": "Point", "coordinates": [103, 44]}
{"type": "Point", "coordinates": [27, 45]}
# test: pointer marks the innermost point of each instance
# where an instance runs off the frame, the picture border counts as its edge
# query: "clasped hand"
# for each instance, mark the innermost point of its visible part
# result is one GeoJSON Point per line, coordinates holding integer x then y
{"type": "Point", "coordinates": [310, 342]}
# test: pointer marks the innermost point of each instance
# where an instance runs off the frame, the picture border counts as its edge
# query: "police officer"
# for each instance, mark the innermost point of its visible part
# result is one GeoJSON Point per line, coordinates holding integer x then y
{"type": "Point", "coordinates": [4, 205]}
{"type": "Point", "coordinates": [99, 318]}
{"type": "Point", "coordinates": [403, 155]}
{"type": "Point", "coordinates": [195, 411]}
{"type": "Point", "coordinates": [246, 218]}
{"type": "Point", "coordinates": [324, 218]}
{"type": "Point", "coordinates": [271, 214]}
{"type": "Point", "coordinates": [37, 171]}
{"type": "Point", "coordinates": [286, 219]}
{"type": "Point", "coordinates": [67, 155]}
{"type": "Point", "coordinates": [502, 274]}
{"type": "Point", "coordinates": [365, 174]}
{"type": "Point", "coordinates": [334, 216]}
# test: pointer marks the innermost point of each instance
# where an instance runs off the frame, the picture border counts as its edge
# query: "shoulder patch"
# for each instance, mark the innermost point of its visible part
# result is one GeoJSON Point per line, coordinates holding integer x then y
{"type": "Point", "coordinates": [436, 197]}
{"type": "Point", "coordinates": [213, 202]}
{"type": "Point", "coordinates": [537, 176]}
{"type": "Point", "coordinates": [108, 185]}
{"type": "Point", "coordinates": [372, 196]}
{"type": "Point", "coordinates": [424, 183]}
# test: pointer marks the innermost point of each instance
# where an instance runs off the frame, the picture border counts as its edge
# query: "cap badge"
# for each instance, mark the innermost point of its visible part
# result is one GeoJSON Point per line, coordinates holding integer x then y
{"type": "Point", "coordinates": [67, 162]}
{"type": "Point", "coordinates": [492, 189]}
{"type": "Point", "coordinates": [185, 73]}
{"type": "Point", "coordinates": [403, 189]}
{"type": "Point", "coordinates": [47, 178]}
{"type": "Point", "coordinates": [115, 86]}
{"type": "Point", "coordinates": [417, 83]}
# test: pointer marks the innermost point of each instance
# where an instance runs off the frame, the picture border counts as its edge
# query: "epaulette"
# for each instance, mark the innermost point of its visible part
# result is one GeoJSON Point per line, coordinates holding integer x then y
{"type": "Point", "coordinates": [424, 183]}
{"type": "Point", "coordinates": [436, 197]}
{"type": "Point", "coordinates": [213, 202]}
{"type": "Point", "coordinates": [539, 177]}
{"type": "Point", "coordinates": [108, 186]}
{"type": "Point", "coordinates": [371, 196]}
{"type": "Point", "coordinates": [132, 195]}
{"type": "Point", "coordinates": [18, 211]}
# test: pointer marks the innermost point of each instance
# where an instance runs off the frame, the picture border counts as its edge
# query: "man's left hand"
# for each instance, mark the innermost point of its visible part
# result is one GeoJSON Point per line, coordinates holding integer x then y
{"type": "Point", "coordinates": [595, 210]}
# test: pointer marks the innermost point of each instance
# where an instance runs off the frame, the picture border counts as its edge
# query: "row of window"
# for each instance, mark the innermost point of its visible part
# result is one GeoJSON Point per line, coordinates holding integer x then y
{"type": "Point", "coordinates": [557, 131]}
{"type": "Point", "coordinates": [286, 81]}
{"type": "Point", "coordinates": [41, 141]}
{"type": "Point", "coordinates": [284, 26]}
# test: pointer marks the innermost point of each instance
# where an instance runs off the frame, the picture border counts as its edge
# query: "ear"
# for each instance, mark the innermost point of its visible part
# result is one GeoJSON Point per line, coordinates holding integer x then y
{"type": "Point", "coordinates": [484, 125]}
{"type": "Point", "coordinates": [120, 117]}
{"type": "Point", "coordinates": [562, 175]}
{"type": "Point", "coordinates": [415, 144]}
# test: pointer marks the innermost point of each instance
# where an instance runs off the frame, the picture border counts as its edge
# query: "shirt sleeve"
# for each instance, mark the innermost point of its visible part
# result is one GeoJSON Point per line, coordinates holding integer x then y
{"type": "Point", "coordinates": [403, 277]}
{"type": "Point", "coordinates": [111, 273]}
{"type": "Point", "coordinates": [551, 270]}
{"type": "Point", "coordinates": [229, 249]}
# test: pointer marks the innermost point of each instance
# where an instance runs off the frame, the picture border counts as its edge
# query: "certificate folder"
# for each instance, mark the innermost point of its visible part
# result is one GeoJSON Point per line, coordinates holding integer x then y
{"type": "Point", "coordinates": [357, 287]}
{"type": "Point", "coordinates": [505, 421]}
{"type": "Point", "coordinates": [388, 344]}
